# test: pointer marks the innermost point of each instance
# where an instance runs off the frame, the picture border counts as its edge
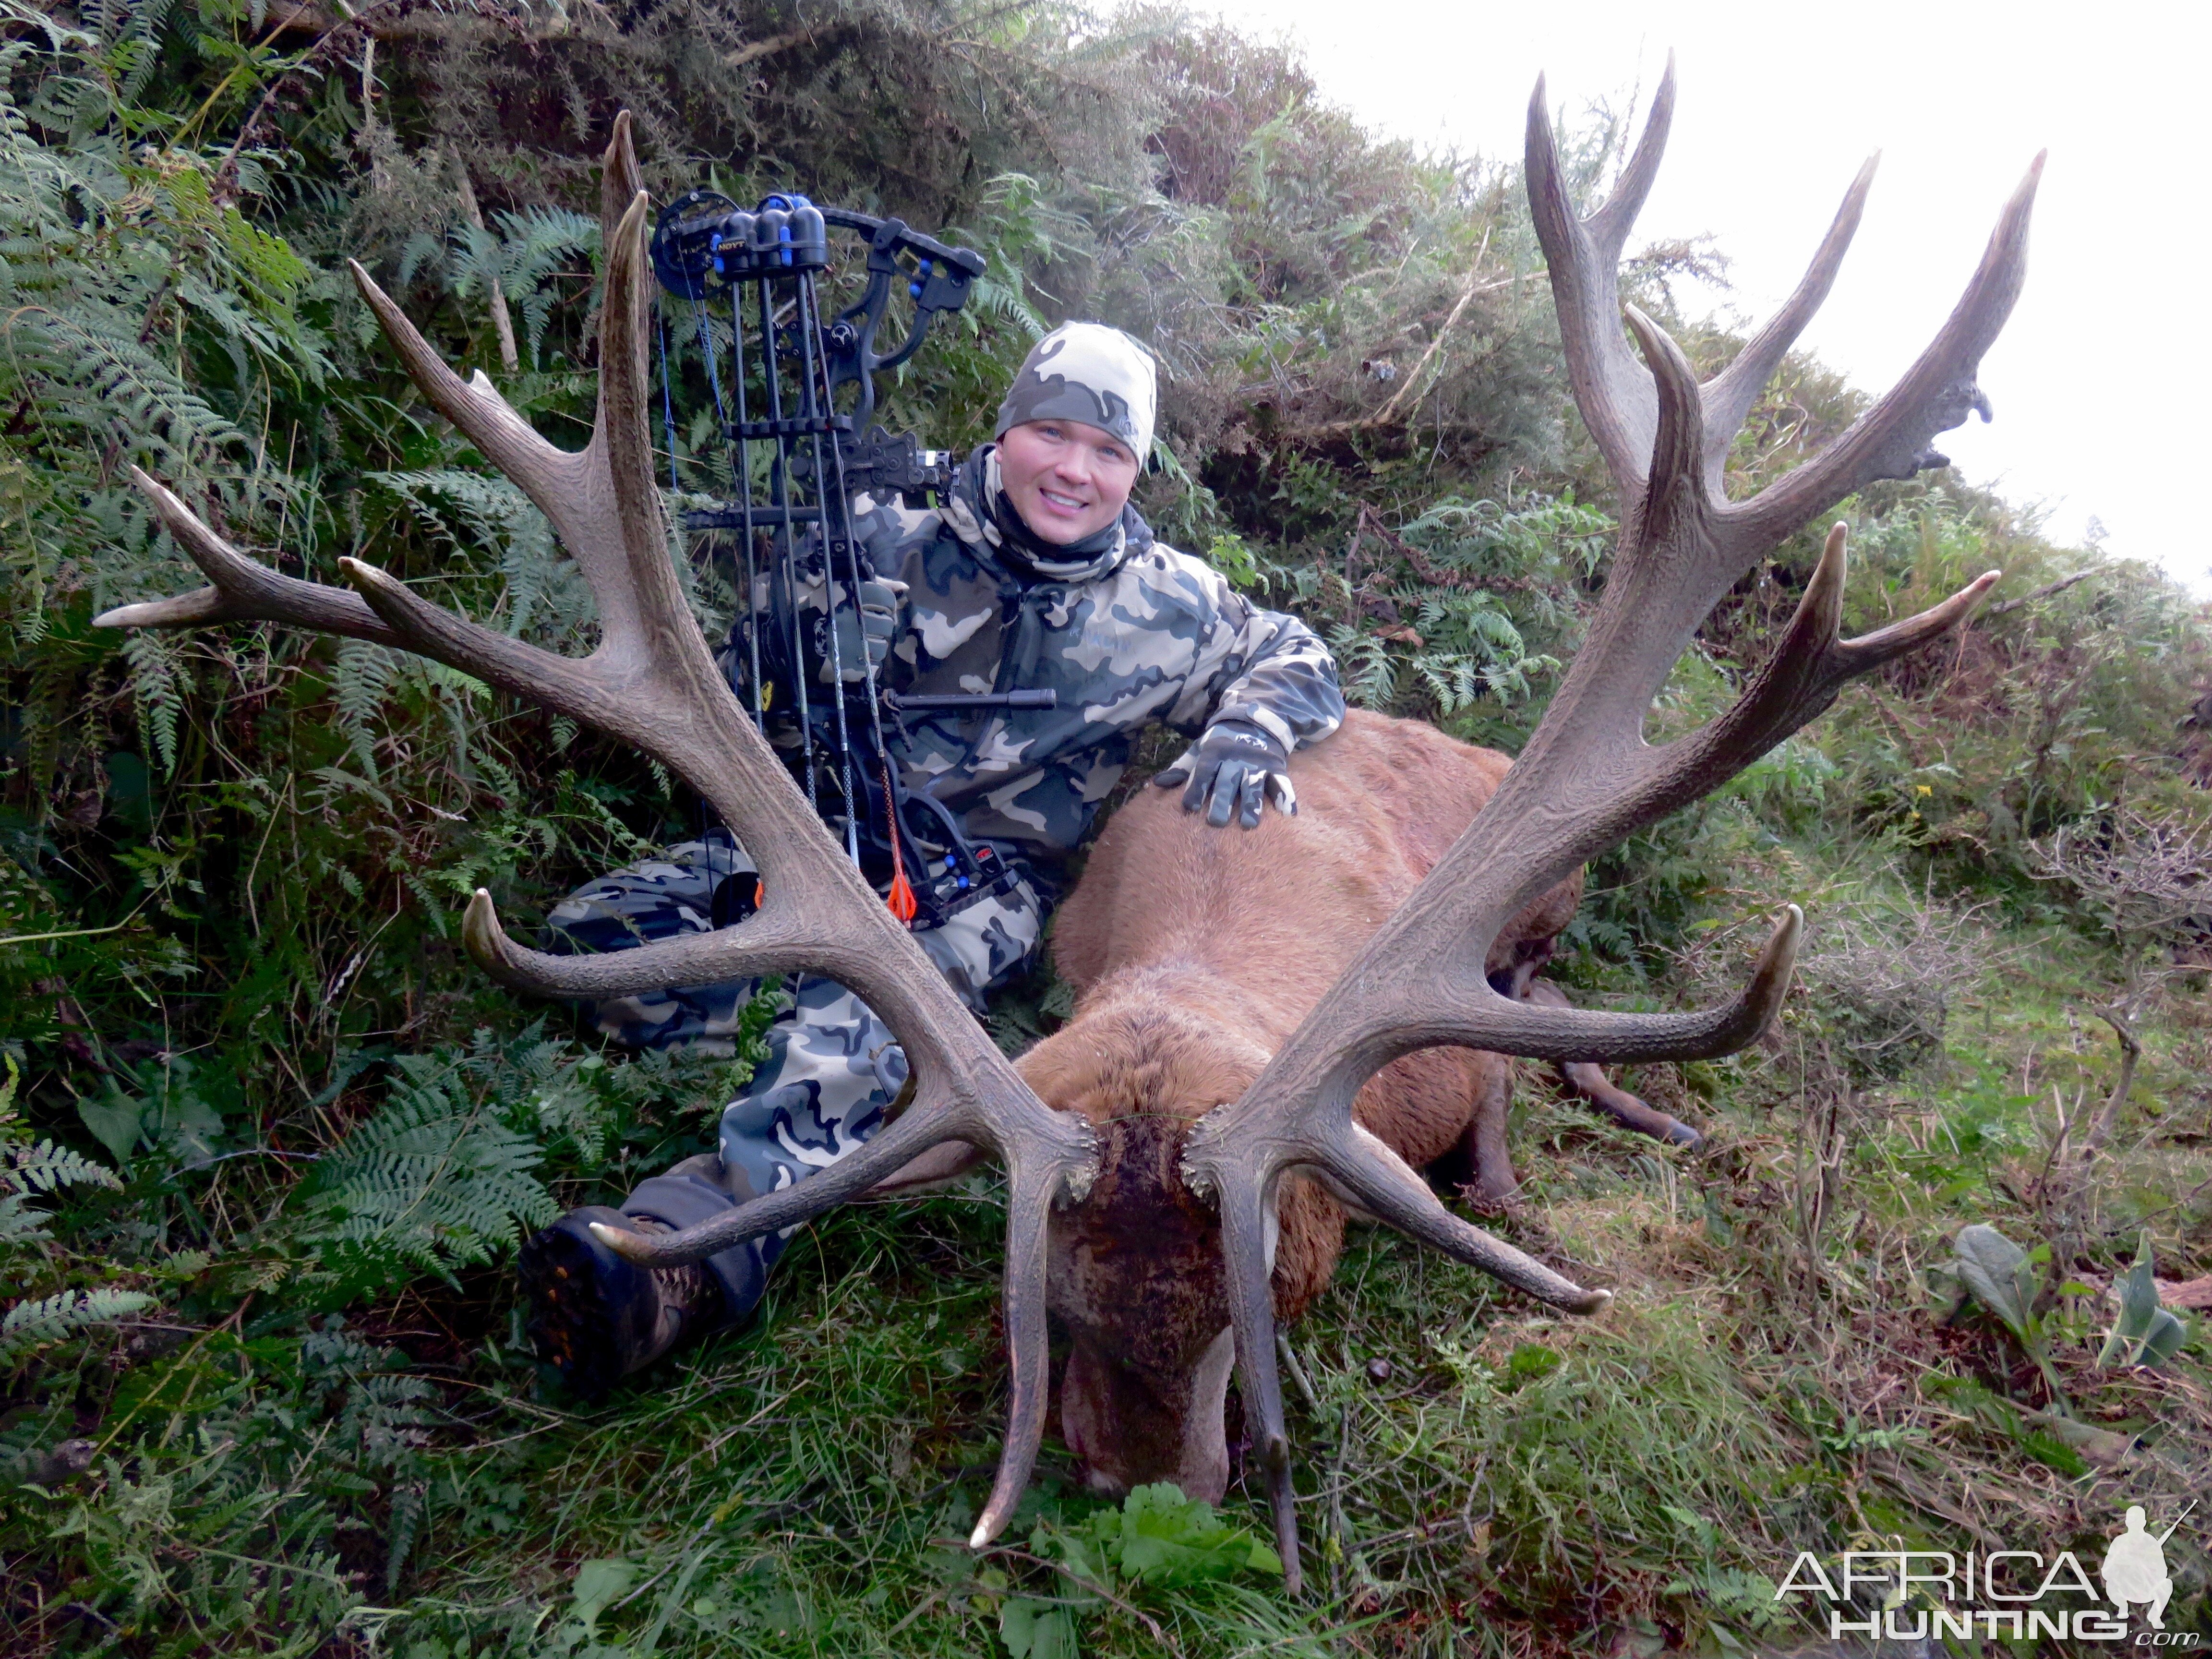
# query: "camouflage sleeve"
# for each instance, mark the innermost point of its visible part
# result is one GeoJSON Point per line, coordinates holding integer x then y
{"type": "Point", "coordinates": [1260, 665]}
{"type": "Point", "coordinates": [658, 898]}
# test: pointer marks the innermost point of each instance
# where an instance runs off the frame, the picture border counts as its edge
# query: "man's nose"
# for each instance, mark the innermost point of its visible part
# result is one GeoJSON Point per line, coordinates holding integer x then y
{"type": "Point", "coordinates": [1073, 463]}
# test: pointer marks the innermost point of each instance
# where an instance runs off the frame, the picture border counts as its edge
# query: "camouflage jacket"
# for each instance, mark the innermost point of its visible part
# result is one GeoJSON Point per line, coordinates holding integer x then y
{"type": "Point", "coordinates": [1128, 636]}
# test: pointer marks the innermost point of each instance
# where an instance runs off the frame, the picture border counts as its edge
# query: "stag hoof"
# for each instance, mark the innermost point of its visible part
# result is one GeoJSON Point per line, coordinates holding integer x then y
{"type": "Point", "coordinates": [1681, 1134]}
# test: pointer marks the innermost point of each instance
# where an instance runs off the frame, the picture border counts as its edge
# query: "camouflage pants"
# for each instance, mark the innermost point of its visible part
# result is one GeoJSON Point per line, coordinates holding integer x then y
{"type": "Point", "coordinates": [834, 1065]}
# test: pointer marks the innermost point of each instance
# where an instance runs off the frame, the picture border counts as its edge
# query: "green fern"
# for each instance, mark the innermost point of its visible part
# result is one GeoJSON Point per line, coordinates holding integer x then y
{"type": "Point", "coordinates": [29, 1326]}
{"type": "Point", "coordinates": [547, 599]}
{"type": "Point", "coordinates": [156, 677]}
{"type": "Point", "coordinates": [364, 677]}
{"type": "Point", "coordinates": [433, 1180]}
{"type": "Point", "coordinates": [27, 1170]}
{"type": "Point", "coordinates": [525, 256]}
{"type": "Point", "coordinates": [47, 1167]}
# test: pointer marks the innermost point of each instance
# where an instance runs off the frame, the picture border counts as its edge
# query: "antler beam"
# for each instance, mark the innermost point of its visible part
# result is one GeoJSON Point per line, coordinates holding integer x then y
{"type": "Point", "coordinates": [1587, 779]}
{"type": "Point", "coordinates": [652, 683]}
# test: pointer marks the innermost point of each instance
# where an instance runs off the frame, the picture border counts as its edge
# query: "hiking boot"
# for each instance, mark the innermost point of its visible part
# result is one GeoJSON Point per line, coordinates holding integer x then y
{"type": "Point", "coordinates": [596, 1317]}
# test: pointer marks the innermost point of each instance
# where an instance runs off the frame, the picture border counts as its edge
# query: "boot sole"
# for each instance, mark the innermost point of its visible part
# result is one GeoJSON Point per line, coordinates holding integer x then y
{"type": "Point", "coordinates": [576, 1324]}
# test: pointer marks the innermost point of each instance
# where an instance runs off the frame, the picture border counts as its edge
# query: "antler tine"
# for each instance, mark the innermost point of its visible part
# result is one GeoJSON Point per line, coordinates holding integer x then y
{"type": "Point", "coordinates": [1611, 387]}
{"type": "Point", "coordinates": [1361, 1168]}
{"type": "Point", "coordinates": [1312, 1086]}
{"type": "Point", "coordinates": [245, 590]}
{"type": "Point", "coordinates": [1809, 665]}
{"type": "Point", "coordinates": [1027, 1354]}
{"type": "Point", "coordinates": [1611, 222]}
{"type": "Point", "coordinates": [1729, 395]}
{"type": "Point", "coordinates": [933, 1119]}
{"type": "Point", "coordinates": [1243, 1196]}
{"type": "Point", "coordinates": [621, 178]}
{"type": "Point", "coordinates": [1040, 1169]}
{"type": "Point", "coordinates": [776, 940]}
{"type": "Point", "coordinates": [1895, 438]}
{"type": "Point", "coordinates": [601, 500]}
{"type": "Point", "coordinates": [474, 405]}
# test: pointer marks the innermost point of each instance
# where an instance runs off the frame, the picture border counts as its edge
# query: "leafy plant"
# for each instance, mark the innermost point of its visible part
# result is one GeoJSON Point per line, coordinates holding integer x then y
{"type": "Point", "coordinates": [1158, 1540]}
{"type": "Point", "coordinates": [29, 1326]}
{"type": "Point", "coordinates": [28, 1170]}
{"type": "Point", "coordinates": [2145, 1333]}
{"type": "Point", "coordinates": [2008, 1281]}
{"type": "Point", "coordinates": [434, 1180]}
{"type": "Point", "coordinates": [521, 260]}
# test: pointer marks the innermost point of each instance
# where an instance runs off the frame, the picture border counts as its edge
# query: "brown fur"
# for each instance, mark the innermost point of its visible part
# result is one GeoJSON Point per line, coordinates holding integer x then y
{"type": "Point", "coordinates": [1194, 951]}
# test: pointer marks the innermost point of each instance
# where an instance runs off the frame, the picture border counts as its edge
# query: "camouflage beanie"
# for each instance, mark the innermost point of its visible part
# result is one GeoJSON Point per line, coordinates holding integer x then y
{"type": "Point", "coordinates": [1089, 373]}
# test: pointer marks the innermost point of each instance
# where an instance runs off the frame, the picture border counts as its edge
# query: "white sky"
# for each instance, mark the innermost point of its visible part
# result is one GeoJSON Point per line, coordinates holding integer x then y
{"type": "Point", "coordinates": [2098, 380]}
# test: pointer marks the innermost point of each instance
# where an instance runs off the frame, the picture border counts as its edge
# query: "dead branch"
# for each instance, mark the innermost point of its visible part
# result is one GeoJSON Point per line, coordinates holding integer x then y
{"type": "Point", "coordinates": [502, 320]}
{"type": "Point", "coordinates": [2100, 1127]}
{"type": "Point", "coordinates": [2033, 595]}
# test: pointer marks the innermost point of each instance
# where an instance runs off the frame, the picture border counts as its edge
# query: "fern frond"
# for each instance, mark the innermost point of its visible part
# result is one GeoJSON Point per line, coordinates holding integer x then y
{"type": "Point", "coordinates": [29, 1326]}
{"type": "Point", "coordinates": [432, 1180]}
{"type": "Point", "coordinates": [157, 676]}
{"type": "Point", "coordinates": [47, 1167]}
{"type": "Point", "coordinates": [364, 672]}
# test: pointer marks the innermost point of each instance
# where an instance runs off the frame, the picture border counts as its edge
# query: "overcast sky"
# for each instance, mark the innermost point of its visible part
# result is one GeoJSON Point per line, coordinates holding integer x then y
{"type": "Point", "coordinates": [2099, 379]}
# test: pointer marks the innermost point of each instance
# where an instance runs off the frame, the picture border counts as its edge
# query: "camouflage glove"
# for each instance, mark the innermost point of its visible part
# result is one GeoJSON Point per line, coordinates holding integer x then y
{"type": "Point", "coordinates": [874, 621]}
{"type": "Point", "coordinates": [1237, 762]}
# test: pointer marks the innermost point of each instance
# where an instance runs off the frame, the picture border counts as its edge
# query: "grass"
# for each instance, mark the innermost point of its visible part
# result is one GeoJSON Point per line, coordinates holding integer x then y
{"type": "Point", "coordinates": [1519, 1481]}
{"type": "Point", "coordinates": [1775, 1375]}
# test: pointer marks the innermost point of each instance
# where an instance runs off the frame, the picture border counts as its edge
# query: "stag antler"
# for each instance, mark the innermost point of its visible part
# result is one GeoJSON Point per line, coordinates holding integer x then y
{"type": "Point", "coordinates": [652, 683]}
{"type": "Point", "coordinates": [1587, 780]}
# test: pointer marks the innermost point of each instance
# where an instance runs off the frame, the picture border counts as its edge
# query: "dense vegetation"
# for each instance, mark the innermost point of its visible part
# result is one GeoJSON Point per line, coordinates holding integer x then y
{"type": "Point", "coordinates": [267, 1141]}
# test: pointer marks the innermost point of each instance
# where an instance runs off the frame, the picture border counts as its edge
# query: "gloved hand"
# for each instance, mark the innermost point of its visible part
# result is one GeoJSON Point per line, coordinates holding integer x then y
{"type": "Point", "coordinates": [874, 621]}
{"type": "Point", "coordinates": [1237, 762]}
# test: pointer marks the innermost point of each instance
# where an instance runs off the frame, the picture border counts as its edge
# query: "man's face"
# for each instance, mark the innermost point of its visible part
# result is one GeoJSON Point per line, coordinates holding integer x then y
{"type": "Point", "coordinates": [1067, 480]}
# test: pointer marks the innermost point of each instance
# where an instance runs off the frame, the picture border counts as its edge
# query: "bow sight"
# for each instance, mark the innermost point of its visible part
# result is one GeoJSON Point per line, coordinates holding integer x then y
{"type": "Point", "coordinates": [787, 373]}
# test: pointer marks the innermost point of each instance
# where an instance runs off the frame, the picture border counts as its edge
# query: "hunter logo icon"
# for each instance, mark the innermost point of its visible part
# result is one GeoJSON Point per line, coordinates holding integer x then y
{"type": "Point", "coordinates": [2134, 1566]}
{"type": "Point", "coordinates": [2013, 1595]}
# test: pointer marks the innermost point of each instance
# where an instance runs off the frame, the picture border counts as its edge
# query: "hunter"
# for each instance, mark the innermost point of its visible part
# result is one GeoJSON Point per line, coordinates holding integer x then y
{"type": "Point", "coordinates": [1034, 575]}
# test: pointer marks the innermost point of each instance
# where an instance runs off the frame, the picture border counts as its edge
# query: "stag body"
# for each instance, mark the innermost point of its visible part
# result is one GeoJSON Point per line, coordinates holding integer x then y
{"type": "Point", "coordinates": [1194, 959]}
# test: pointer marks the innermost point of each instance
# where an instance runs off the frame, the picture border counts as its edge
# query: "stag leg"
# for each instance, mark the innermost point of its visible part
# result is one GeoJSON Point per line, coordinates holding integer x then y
{"type": "Point", "coordinates": [1495, 1184]}
{"type": "Point", "coordinates": [1590, 1081]}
